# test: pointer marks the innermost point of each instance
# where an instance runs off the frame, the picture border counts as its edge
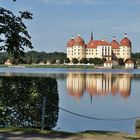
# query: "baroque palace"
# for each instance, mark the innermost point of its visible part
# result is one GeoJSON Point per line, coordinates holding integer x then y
{"type": "Point", "coordinates": [77, 48]}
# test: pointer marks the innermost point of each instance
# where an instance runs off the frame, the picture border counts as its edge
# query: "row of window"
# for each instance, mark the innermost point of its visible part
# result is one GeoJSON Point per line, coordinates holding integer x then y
{"type": "Point", "coordinates": [90, 53]}
{"type": "Point", "coordinates": [78, 53]}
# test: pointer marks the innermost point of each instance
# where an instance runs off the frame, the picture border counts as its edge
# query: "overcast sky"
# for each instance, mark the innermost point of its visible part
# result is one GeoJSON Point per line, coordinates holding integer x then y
{"type": "Point", "coordinates": [56, 20]}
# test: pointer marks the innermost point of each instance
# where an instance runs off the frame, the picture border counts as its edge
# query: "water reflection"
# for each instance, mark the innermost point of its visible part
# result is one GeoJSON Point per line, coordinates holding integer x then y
{"type": "Point", "coordinates": [21, 101]}
{"type": "Point", "coordinates": [99, 84]}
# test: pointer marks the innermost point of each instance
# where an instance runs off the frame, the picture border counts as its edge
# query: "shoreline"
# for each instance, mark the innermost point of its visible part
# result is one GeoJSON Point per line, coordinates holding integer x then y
{"type": "Point", "coordinates": [64, 66]}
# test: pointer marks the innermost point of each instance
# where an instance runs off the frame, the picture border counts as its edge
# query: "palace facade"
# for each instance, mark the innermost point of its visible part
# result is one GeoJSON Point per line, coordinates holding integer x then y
{"type": "Point", "coordinates": [77, 48]}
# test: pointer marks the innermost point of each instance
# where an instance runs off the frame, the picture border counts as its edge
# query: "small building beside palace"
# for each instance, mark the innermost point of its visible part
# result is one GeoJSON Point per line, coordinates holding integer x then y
{"type": "Point", "coordinates": [77, 48]}
{"type": "Point", "coordinates": [129, 64]}
{"type": "Point", "coordinates": [8, 62]}
{"type": "Point", "coordinates": [108, 64]}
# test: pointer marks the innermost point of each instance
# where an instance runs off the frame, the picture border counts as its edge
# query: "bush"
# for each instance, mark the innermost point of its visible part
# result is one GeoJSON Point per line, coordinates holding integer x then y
{"type": "Point", "coordinates": [91, 60]}
{"type": "Point", "coordinates": [67, 60]}
{"type": "Point", "coordinates": [61, 61]}
{"type": "Point", "coordinates": [53, 61]}
{"type": "Point", "coordinates": [120, 61]}
{"type": "Point", "coordinates": [84, 61]}
{"type": "Point", "coordinates": [75, 61]}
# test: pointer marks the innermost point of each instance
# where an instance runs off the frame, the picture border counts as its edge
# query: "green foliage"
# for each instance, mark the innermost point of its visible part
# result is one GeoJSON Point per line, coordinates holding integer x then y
{"type": "Point", "coordinates": [84, 61]}
{"type": "Point", "coordinates": [3, 57]}
{"type": "Point", "coordinates": [43, 56]}
{"type": "Point", "coordinates": [13, 32]}
{"type": "Point", "coordinates": [61, 61]}
{"type": "Point", "coordinates": [36, 60]}
{"type": "Point", "coordinates": [67, 60]}
{"type": "Point", "coordinates": [135, 55]}
{"type": "Point", "coordinates": [21, 103]}
{"type": "Point", "coordinates": [97, 61]}
{"type": "Point", "coordinates": [37, 57]}
{"type": "Point", "coordinates": [53, 61]}
{"type": "Point", "coordinates": [75, 61]}
{"type": "Point", "coordinates": [29, 60]}
{"type": "Point", "coordinates": [91, 60]}
{"type": "Point", "coordinates": [103, 60]}
{"type": "Point", "coordinates": [121, 61]}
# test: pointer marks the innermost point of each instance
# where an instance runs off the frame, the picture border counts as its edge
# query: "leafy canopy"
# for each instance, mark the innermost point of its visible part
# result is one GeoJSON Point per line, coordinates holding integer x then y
{"type": "Point", "coordinates": [13, 32]}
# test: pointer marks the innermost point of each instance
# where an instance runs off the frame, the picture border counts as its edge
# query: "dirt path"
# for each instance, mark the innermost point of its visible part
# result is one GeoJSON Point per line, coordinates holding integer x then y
{"type": "Point", "coordinates": [60, 136]}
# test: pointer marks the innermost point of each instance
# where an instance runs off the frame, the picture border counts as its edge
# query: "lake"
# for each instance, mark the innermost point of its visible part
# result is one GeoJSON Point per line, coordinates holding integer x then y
{"type": "Point", "coordinates": [97, 99]}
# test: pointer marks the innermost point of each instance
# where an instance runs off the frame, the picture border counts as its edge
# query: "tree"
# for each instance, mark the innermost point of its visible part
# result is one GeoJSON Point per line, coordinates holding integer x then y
{"type": "Point", "coordinates": [13, 32]}
{"type": "Point", "coordinates": [120, 61]}
{"type": "Point", "coordinates": [91, 60]}
{"type": "Point", "coordinates": [67, 60]}
{"type": "Point", "coordinates": [103, 60]}
{"type": "Point", "coordinates": [36, 60]}
{"type": "Point", "coordinates": [61, 61]}
{"type": "Point", "coordinates": [29, 60]}
{"type": "Point", "coordinates": [84, 61]}
{"type": "Point", "coordinates": [97, 61]}
{"type": "Point", "coordinates": [53, 61]}
{"type": "Point", "coordinates": [75, 61]}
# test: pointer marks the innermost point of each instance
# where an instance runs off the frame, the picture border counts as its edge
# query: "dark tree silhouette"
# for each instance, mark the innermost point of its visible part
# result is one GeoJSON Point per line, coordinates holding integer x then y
{"type": "Point", "coordinates": [75, 61]}
{"type": "Point", "coordinates": [67, 60]}
{"type": "Point", "coordinates": [91, 60]}
{"type": "Point", "coordinates": [84, 61]}
{"type": "Point", "coordinates": [120, 61]}
{"type": "Point", "coordinates": [13, 32]}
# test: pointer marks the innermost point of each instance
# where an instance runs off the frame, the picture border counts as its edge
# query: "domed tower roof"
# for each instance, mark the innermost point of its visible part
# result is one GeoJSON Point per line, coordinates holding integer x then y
{"type": "Point", "coordinates": [125, 41]}
{"type": "Point", "coordinates": [114, 43]}
{"type": "Point", "coordinates": [70, 43]}
{"type": "Point", "coordinates": [79, 41]}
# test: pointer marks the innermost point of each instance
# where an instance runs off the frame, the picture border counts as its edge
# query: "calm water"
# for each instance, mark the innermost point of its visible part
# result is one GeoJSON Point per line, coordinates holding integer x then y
{"type": "Point", "coordinates": [106, 94]}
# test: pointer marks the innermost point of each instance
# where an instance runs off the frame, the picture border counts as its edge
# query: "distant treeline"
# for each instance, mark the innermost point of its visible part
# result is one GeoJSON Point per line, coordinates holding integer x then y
{"type": "Point", "coordinates": [135, 55]}
{"type": "Point", "coordinates": [44, 57]}
{"type": "Point", "coordinates": [34, 57]}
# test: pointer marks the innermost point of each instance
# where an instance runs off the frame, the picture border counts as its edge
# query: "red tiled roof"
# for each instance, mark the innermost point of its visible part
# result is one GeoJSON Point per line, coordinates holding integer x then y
{"type": "Point", "coordinates": [108, 61]}
{"type": "Point", "coordinates": [114, 44]}
{"type": "Point", "coordinates": [125, 42]}
{"type": "Point", "coordinates": [70, 43]}
{"type": "Point", "coordinates": [129, 62]}
{"type": "Point", "coordinates": [76, 41]}
{"type": "Point", "coordinates": [95, 43]}
{"type": "Point", "coordinates": [79, 41]}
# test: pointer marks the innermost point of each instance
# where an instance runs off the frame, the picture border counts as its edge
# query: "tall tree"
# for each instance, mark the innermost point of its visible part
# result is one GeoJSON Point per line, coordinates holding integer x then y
{"type": "Point", "coordinates": [13, 32]}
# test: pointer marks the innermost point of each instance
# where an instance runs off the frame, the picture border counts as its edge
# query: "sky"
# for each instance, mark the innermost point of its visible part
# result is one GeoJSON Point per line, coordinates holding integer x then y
{"type": "Point", "coordinates": [55, 21]}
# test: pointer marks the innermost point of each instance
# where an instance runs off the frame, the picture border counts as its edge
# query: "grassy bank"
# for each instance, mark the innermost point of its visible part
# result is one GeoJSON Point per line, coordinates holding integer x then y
{"type": "Point", "coordinates": [60, 66]}
{"type": "Point", "coordinates": [64, 66]}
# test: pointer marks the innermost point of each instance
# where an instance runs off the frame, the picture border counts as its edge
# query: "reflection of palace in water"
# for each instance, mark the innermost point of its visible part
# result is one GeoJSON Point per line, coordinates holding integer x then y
{"type": "Point", "coordinates": [99, 84]}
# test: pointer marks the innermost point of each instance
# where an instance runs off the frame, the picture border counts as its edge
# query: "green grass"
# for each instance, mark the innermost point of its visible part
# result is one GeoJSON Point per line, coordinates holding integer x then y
{"type": "Point", "coordinates": [3, 66]}
{"type": "Point", "coordinates": [118, 67]}
{"type": "Point", "coordinates": [60, 66]}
